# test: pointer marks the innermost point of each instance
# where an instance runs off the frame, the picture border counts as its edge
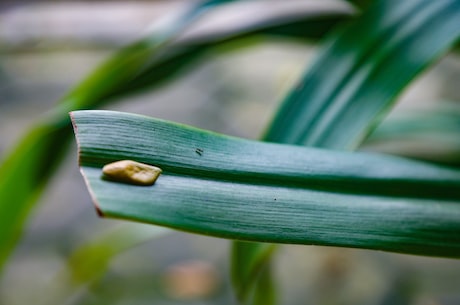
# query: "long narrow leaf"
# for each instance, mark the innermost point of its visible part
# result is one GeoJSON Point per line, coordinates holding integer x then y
{"type": "Point", "coordinates": [241, 189]}
{"type": "Point", "coordinates": [250, 265]}
{"type": "Point", "coordinates": [362, 70]}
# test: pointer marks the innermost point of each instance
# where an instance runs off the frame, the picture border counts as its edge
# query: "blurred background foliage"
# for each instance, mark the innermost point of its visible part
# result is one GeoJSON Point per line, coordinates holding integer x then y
{"type": "Point", "coordinates": [214, 79]}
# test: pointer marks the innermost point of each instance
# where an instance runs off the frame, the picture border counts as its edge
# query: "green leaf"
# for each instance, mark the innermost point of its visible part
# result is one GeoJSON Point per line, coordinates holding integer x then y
{"type": "Point", "coordinates": [361, 71]}
{"type": "Point", "coordinates": [147, 65]}
{"type": "Point", "coordinates": [23, 175]}
{"type": "Point", "coordinates": [264, 290]}
{"type": "Point", "coordinates": [248, 190]}
{"type": "Point", "coordinates": [248, 261]}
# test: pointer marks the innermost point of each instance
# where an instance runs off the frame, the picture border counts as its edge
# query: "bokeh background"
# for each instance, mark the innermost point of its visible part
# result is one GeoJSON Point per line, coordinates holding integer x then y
{"type": "Point", "coordinates": [46, 47]}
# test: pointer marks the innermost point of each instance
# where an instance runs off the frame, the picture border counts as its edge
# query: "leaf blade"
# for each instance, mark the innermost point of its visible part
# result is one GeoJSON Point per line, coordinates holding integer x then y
{"type": "Point", "coordinates": [397, 41]}
{"type": "Point", "coordinates": [217, 204]}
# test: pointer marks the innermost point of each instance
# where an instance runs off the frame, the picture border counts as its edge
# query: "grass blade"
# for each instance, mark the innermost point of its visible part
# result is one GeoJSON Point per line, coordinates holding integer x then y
{"type": "Point", "coordinates": [360, 72]}
{"type": "Point", "coordinates": [248, 260]}
{"type": "Point", "coordinates": [249, 190]}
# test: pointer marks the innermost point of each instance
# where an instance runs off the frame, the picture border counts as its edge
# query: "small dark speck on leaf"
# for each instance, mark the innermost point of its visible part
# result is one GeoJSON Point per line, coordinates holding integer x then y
{"type": "Point", "coordinates": [199, 151]}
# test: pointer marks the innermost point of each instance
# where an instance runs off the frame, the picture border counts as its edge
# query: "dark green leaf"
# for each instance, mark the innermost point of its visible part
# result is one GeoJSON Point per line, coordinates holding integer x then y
{"type": "Point", "coordinates": [257, 191]}
{"type": "Point", "coordinates": [361, 71]}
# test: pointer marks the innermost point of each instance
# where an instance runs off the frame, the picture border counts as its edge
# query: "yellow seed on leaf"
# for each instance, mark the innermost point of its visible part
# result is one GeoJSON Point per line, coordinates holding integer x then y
{"type": "Point", "coordinates": [131, 172]}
